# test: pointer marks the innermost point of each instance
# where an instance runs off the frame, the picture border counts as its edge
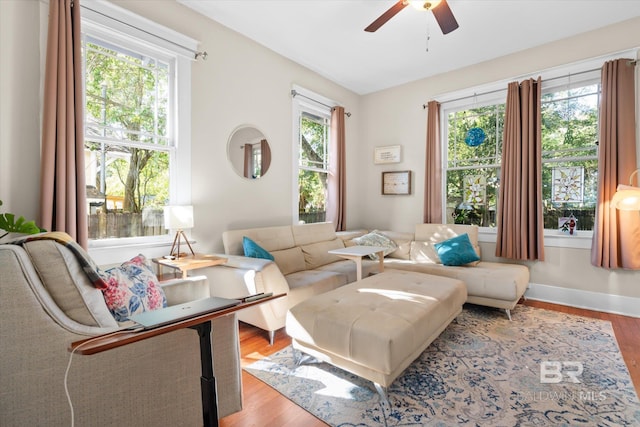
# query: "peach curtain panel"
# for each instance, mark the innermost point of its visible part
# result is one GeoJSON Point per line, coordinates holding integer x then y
{"type": "Point", "coordinates": [265, 155]}
{"type": "Point", "coordinates": [337, 179]}
{"type": "Point", "coordinates": [616, 235]}
{"type": "Point", "coordinates": [63, 205]}
{"type": "Point", "coordinates": [433, 167]}
{"type": "Point", "coordinates": [520, 225]}
{"type": "Point", "coordinates": [248, 161]}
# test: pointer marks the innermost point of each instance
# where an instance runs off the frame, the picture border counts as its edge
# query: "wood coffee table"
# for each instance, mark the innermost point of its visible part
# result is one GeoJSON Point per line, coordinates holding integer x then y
{"type": "Point", "coordinates": [355, 253]}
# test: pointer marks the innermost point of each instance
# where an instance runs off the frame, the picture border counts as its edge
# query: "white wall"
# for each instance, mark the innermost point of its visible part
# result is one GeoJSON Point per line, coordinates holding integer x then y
{"type": "Point", "coordinates": [19, 107]}
{"type": "Point", "coordinates": [242, 82]}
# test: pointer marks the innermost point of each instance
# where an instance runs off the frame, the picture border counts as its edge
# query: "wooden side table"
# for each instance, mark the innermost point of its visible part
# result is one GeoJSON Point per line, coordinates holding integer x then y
{"type": "Point", "coordinates": [187, 263]}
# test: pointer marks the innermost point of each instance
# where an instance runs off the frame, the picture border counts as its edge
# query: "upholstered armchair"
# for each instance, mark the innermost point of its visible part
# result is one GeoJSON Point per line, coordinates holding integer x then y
{"type": "Point", "coordinates": [47, 302]}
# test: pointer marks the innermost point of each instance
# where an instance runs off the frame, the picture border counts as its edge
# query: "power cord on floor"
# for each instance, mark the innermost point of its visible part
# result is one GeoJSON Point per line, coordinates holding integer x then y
{"type": "Point", "coordinates": [66, 372]}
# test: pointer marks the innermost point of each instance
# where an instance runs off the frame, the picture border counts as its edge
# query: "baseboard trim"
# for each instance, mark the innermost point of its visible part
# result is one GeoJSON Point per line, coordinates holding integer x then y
{"type": "Point", "coordinates": [608, 303]}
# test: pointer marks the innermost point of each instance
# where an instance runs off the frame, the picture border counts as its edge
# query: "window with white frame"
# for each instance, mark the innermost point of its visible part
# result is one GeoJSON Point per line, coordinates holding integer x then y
{"type": "Point", "coordinates": [133, 152]}
{"type": "Point", "coordinates": [570, 152]}
{"type": "Point", "coordinates": [474, 152]}
{"type": "Point", "coordinates": [569, 112]}
{"type": "Point", "coordinates": [312, 130]}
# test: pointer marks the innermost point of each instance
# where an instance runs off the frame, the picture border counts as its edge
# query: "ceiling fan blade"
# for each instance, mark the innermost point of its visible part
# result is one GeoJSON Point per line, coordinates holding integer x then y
{"type": "Point", "coordinates": [444, 17]}
{"type": "Point", "coordinates": [386, 16]}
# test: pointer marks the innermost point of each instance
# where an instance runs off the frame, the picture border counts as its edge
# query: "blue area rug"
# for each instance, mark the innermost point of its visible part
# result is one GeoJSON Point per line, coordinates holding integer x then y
{"type": "Point", "coordinates": [483, 370]}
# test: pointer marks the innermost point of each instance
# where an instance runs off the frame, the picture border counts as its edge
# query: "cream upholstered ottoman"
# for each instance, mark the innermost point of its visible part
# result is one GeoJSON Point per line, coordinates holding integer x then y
{"type": "Point", "coordinates": [376, 327]}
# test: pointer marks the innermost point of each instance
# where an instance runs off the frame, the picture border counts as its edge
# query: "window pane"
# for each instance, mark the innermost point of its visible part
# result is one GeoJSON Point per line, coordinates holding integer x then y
{"type": "Point", "coordinates": [127, 95]}
{"type": "Point", "coordinates": [474, 151]}
{"type": "Point", "coordinates": [570, 166]}
{"type": "Point", "coordinates": [131, 187]}
{"type": "Point", "coordinates": [314, 136]}
{"type": "Point", "coordinates": [461, 149]}
{"type": "Point", "coordinates": [312, 196]}
{"type": "Point", "coordinates": [472, 196]}
{"type": "Point", "coordinates": [570, 188]}
{"type": "Point", "coordinates": [127, 144]}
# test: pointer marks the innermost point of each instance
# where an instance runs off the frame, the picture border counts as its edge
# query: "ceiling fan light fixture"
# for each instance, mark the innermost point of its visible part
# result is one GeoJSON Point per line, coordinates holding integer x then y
{"type": "Point", "coordinates": [424, 4]}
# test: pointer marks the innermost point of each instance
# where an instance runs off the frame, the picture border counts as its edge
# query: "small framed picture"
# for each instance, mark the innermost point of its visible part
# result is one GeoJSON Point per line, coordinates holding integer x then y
{"type": "Point", "coordinates": [397, 182]}
{"type": "Point", "coordinates": [388, 154]}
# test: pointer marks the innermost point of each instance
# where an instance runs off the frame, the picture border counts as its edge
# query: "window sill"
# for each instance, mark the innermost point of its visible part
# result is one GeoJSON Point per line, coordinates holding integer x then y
{"type": "Point", "coordinates": [552, 238]}
{"type": "Point", "coordinates": [131, 243]}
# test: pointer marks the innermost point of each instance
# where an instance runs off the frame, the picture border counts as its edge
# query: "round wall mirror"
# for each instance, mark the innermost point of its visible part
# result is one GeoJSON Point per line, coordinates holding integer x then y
{"type": "Point", "coordinates": [249, 152]}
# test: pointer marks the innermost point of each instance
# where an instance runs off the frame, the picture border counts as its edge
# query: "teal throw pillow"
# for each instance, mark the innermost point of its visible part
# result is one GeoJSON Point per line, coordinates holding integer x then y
{"type": "Point", "coordinates": [254, 250]}
{"type": "Point", "coordinates": [457, 251]}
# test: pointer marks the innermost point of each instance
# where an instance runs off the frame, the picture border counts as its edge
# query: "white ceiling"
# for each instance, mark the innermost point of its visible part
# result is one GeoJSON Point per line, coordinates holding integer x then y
{"type": "Point", "coordinates": [328, 37]}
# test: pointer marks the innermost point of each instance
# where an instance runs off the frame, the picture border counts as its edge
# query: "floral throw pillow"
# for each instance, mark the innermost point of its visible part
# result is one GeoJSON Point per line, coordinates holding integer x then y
{"type": "Point", "coordinates": [375, 238]}
{"type": "Point", "coordinates": [132, 288]}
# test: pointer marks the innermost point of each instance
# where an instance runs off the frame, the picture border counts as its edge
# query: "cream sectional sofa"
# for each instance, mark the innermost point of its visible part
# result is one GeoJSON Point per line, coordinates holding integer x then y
{"type": "Point", "coordinates": [302, 267]}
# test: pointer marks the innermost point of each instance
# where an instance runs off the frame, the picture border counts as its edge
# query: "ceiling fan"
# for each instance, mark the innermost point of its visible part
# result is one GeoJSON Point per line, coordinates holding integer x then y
{"type": "Point", "coordinates": [440, 9]}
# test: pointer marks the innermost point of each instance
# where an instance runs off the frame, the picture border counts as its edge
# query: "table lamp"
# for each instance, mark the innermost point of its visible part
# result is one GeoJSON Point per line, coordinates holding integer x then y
{"type": "Point", "coordinates": [627, 197]}
{"type": "Point", "coordinates": [178, 218]}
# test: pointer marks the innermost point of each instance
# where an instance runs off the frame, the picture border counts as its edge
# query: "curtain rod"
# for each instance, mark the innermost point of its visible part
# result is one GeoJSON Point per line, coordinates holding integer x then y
{"type": "Point", "coordinates": [196, 54]}
{"type": "Point", "coordinates": [632, 63]}
{"type": "Point", "coordinates": [295, 93]}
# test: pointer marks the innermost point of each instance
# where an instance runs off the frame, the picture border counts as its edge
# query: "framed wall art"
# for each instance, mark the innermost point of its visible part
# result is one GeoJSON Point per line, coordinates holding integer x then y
{"type": "Point", "coordinates": [397, 182]}
{"type": "Point", "coordinates": [568, 184]}
{"type": "Point", "coordinates": [388, 154]}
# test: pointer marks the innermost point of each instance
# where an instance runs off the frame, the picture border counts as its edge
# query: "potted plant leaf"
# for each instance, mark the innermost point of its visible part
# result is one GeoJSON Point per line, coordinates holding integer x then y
{"type": "Point", "coordinates": [9, 224]}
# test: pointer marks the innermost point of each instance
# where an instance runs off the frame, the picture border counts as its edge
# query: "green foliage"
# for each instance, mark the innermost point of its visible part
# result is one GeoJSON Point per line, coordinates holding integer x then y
{"type": "Point", "coordinates": [127, 101]}
{"type": "Point", "coordinates": [464, 161]}
{"type": "Point", "coordinates": [10, 224]}
{"type": "Point", "coordinates": [312, 177]}
{"type": "Point", "coordinates": [569, 139]}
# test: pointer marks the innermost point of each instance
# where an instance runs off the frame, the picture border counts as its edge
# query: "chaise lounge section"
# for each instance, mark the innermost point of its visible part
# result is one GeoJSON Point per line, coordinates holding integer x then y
{"type": "Point", "coordinates": [492, 284]}
{"type": "Point", "coordinates": [377, 327]}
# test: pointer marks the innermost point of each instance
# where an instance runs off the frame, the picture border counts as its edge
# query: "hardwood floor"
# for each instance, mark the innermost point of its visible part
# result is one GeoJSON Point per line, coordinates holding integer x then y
{"type": "Point", "coordinates": [263, 406]}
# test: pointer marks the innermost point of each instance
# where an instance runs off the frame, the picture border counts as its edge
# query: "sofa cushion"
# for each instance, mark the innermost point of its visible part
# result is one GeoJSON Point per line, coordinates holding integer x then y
{"type": "Point", "coordinates": [289, 260]}
{"type": "Point", "coordinates": [132, 288]}
{"type": "Point", "coordinates": [490, 280]}
{"type": "Point", "coordinates": [424, 253]}
{"type": "Point", "coordinates": [348, 269]}
{"type": "Point", "coordinates": [403, 243]}
{"type": "Point", "coordinates": [427, 235]}
{"type": "Point", "coordinates": [348, 235]}
{"type": "Point", "coordinates": [270, 238]}
{"type": "Point", "coordinates": [305, 234]}
{"type": "Point", "coordinates": [316, 254]}
{"type": "Point", "coordinates": [67, 283]}
{"type": "Point", "coordinates": [375, 238]}
{"type": "Point", "coordinates": [318, 281]}
{"type": "Point", "coordinates": [254, 250]}
{"type": "Point", "coordinates": [456, 251]}
{"type": "Point", "coordinates": [438, 232]}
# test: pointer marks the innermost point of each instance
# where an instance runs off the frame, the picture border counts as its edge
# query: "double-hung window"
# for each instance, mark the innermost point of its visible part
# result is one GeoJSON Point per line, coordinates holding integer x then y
{"type": "Point", "coordinates": [570, 151]}
{"type": "Point", "coordinates": [312, 131]}
{"type": "Point", "coordinates": [132, 111]}
{"type": "Point", "coordinates": [474, 151]}
{"type": "Point", "coordinates": [473, 131]}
